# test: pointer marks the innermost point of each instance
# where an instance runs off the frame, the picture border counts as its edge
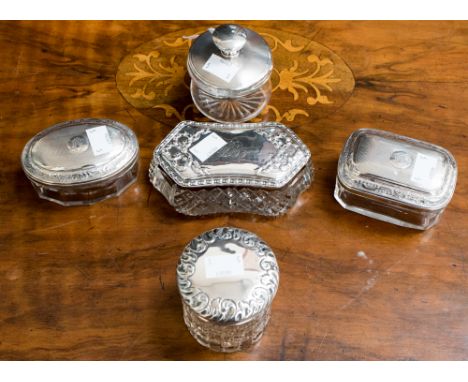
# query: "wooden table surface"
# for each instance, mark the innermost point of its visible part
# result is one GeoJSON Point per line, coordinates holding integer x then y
{"type": "Point", "coordinates": [98, 282]}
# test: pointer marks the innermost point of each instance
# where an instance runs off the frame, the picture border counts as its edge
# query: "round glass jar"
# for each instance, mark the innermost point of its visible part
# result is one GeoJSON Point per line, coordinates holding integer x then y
{"type": "Point", "coordinates": [81, 161]}
{"type": "Point", "coordinates": [227, 278]}
{"type": "Point", "coordinates": [230, 67]}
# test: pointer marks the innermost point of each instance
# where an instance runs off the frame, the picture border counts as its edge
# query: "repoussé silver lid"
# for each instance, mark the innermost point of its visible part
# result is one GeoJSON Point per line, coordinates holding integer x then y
{"type": "Point", "coordinates": [200, 154]}
{"type": "Point", "coordinates": [227, 275]}
{"type": "Point", "coordinates": [229, 60]}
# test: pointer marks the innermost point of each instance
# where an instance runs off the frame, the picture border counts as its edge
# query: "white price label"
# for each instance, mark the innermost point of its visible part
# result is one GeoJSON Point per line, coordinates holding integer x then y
{"type": "Point", "coordinates": [99, 139]}
{"type": "Point", "coordinates": [224, 265]}
{"type": "Point", "coordinates": [221, 68]}
{"type": "Point", "coordinates": [423, 167]}
{"type": "Point", "coordinates": [207, 146]}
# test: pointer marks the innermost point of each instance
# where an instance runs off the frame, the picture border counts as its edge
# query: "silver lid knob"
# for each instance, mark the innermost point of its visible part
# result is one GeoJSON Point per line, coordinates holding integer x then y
{"type": "Point", "coordinates": [229, 39]}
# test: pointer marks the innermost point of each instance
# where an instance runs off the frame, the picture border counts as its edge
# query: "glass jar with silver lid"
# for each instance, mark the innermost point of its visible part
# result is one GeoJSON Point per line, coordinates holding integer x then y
{"type": "Point", "coordinates": [227, 278]}
{"type": "Point", "coordinates": [205, 168]}
{"type": "Point", "coordinates": [230, 68]}
{"type": "Point", "coordinates": [394, 178]}
{"type": "Point", "coordinates": [81, 161]}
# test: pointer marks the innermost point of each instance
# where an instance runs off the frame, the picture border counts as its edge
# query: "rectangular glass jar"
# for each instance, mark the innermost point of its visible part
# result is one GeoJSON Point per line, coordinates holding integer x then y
{"type": "Point", "coordinates": [394, 178]}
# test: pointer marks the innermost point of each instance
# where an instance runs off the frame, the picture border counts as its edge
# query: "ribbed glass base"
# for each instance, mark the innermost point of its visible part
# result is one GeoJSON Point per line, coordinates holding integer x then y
{"type": "Point", "coordinates": [231, 109]}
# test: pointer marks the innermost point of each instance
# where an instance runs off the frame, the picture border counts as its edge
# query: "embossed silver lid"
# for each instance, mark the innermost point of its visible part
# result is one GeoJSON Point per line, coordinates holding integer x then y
{"type": "Point", "coordinates": [230, 60]}
{"type": "Point", "coordinates": [79, 152]}
{"type": "Point", "coordinates": [227, 275]}
{"type": "Point", "coordinates": [200, 154]}
{"type": "Point", "coordinates": [398, 168]}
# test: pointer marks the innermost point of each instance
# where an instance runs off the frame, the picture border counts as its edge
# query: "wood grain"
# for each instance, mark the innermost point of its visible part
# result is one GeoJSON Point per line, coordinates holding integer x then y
{"type": "Point", "coordinates": [98, 282]}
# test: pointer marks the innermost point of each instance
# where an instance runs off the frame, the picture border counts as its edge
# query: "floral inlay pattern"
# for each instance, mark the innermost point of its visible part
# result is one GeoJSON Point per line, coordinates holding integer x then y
{"type": "Point", "coordinates": [166, 76]}
{"type": "Point", "coordinates": [293, 80]}
{"type": "Point", "coordinates": [308, 80]}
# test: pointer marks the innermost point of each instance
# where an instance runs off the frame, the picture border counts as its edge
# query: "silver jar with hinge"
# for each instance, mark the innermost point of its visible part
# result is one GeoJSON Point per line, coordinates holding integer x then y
{"type": "Point", "coordinates": [396, 179]}
{"type": "Point", "coordinates": [81, 161]}
{"type": "Point", "coordinates": [230, 68]}
{"type": "Point", "coordinates": [227, 278]}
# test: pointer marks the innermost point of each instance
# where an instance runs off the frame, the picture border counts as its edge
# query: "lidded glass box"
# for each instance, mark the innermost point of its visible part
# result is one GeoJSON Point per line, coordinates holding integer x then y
{"type": "Point", "coordinates": [394, 178]}
{"type": "Point", "coordinates": [230, 68]}
{"type": "Point", "coordinates": [81, 161]}
{"type": "Point", "coordinates": [227, 278]}
{"type": "Point", "coordinates": [204, 168]}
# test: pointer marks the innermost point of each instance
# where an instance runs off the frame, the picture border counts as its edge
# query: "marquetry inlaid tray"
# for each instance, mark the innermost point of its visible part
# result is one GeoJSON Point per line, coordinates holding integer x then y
{"type": "Point", "coordinates": [309, 81]}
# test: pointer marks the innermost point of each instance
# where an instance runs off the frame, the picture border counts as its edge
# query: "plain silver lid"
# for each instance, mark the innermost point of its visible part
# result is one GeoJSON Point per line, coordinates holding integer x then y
{"type": "Point", "coordinates": [80, 151]}
{"type": "Point", "coordinates": [384, 164]}
{"type": "Point", "coordinates": [240, 47]}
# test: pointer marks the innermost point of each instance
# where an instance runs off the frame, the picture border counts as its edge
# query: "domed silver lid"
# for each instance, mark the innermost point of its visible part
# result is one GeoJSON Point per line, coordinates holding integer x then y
{"type": "Point", "coordinates": [230, 61]}
{"type": "Point", "coordinates": [80, 151]}
{"type": "Point", "coordinates": [408, 171]}
{"type": "Point", "coordinates": [227, 275]}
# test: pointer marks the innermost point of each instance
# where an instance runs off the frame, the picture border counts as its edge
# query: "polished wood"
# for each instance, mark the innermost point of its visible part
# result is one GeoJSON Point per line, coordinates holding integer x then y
{"type": "Point", "coordinates": [98, 282]}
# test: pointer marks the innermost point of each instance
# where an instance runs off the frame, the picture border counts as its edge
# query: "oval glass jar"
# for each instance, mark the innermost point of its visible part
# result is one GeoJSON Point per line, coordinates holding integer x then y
{"type": "Point", "coordinates": [82, 161]}
{"type": "Point", "coordinates": [227, 278]}
{"type": "Point", "coordinates": [230, 68]}
{"type": "Point", "coordinates": [394, 178]}
{"type": "Point", "coordinates": [205, 168]}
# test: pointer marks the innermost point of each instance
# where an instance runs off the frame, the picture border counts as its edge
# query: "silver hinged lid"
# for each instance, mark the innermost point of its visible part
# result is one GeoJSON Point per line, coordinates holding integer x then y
{"type": "Point", "coordinates": [200, 154]}
{"type": "Point", "coordinates": [227, 275]}
{"type": "Point", "coordinates": [80, 151]}
{"type": "Point", "coordinates": [230, 60]}
{"type": "Point", "coordinates": [398, 168]}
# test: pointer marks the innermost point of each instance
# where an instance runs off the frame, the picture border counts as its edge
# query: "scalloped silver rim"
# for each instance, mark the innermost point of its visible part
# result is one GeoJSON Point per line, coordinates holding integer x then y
{"type": "Point", "coordinates": [214, 313]}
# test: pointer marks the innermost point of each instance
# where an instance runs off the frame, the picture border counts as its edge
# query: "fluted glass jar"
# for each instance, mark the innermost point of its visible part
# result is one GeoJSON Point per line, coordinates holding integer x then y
{"type": "Point", "coordinates": [227, 278]}
{"type": "Point", "coordinates": [230, 68]}
{"type": "Point", "coordinates": [81, 161]}
{"type": "Point", "coordinates": [204, 168]}
{"type": "Point", "coordinates": [396, 179]}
